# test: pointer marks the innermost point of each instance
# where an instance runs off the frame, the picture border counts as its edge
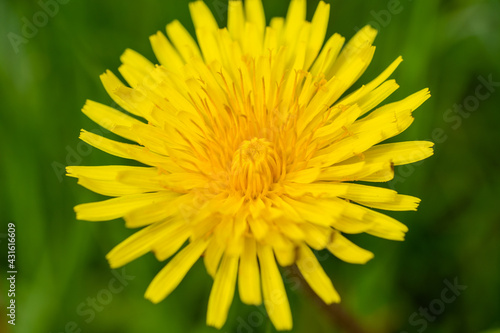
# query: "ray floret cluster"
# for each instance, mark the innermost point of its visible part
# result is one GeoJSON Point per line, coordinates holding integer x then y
{"type": "Point", "coordinates": [251, 152]}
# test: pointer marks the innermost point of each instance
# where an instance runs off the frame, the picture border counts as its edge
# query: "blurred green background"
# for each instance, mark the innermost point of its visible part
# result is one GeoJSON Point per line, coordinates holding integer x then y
{"type": "Point", "coordinates": [452, 47]}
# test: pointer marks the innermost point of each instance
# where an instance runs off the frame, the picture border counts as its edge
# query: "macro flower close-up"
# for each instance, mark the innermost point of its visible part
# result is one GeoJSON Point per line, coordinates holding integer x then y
{"type": "Point", "coordinates": [252, 152]}
{"type": "Point", "coordinates": [249, 166]}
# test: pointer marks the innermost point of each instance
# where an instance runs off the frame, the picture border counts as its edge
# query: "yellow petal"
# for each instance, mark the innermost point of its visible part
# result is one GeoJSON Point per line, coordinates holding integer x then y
{"type": "Point", "coordinates": [156, 212]}
{"type": "Point", "coordinates": [286, 209]}
{"type": "Point", "coordinates": [135, 67]}
{"type": "Point", "coordinates": [258, 226]}
{"type": "Point", "coordinates": [173, 273]}
{"type": "Point", "coordinates": [384, 172]}
{"type": "Point", "coordinates": [111, 119]}
{"type": "Point", "coordinates": [399, 153]}
{"type": "Point", "coordinates": [275, 299]}
{"type": "Point", "coordinates": [283, 248]}
{"type": "Point", "coordinates": [353, 220]}
{"type": "Point", "coordinates": [206, 26]}
{"type": "Point", "coordinates": [253, 42]}
{"type": "Point", "coordinates": [328, 55]}
{"type": "Point", "coordinates": [202, 16]}
{"type": "Point", "coordinates": [346, 250]}
{"type": "Point", "coordinates": [152, 137]}
{"type": "Point", "coordinates": [208, 45]}
{"type": "Point", "coordinates": [411, 103]}
{"type": "Point", "coordinates": [137, 245]}
{"type": "Point", "coordinates": [315, 276]}
{"type": "Point", "coordinates": [374, 98]}
{"type": "Point", "coordinates": [350, 146]}
{"type": "Point", "coordinates": [111, 176]}
{"type": "Point", "coordinates": [371, 86]}
{"type": "Point", "coordinates": [125, 150]}
{"type": "Point", "coordinates": [304, 176]}
{"type": "Point", "coordinates": [112, 83]}
{"type": "Point", "coordinates": [166, 53]}
{"type": "Point", "coordinates": [384, 226]}
{"type": "Point", "coordinates": [295, 17]}
{"type": "Point", "coordinates": [183, 41]}
{"type": "Point", "coordinates": [316, 236]}
{"type": "Point", "coordinates": [212, 257]}
{"type": "Point", "coordinates": [235, 19]}
{"type": "Point", "coordinates": [290, 229]}
{"type": "Point", "coordinates": [248, 276]}
{"type": "Point", "coordinates": [254, 12]}
{"type": "Point", "coordinates": [112, 188]}
{"type": "Point", "coordinates": [361, 40]}
{"type": "Point", "coordinates": [222, 292]}
{"type": "Point", "coordinates": [374, 171]}
{"type": "Point", "coordinates": [140, 176]}
{"type": "Point", "coordinates": [400, 202]}
{"type": "Point", "coordinates": [363, 135]}
{"type": "Point", "coordinates": [310, 210]}
{"type": "Point", "coordinates": [355, 57]}
{"type": "Point", "coordinates": [105, 172]}
{"type": "Point", "coordinates": [350, 226]}
{"type": "Point", "coordinates": [384, 75]}
{"type": "Point", "coordinates": [365, 193]}
{"type": "Point", "coordinates": [117, 207]}
{"type": "Point", "coordinates": [317, 189]}
{"type": "Point", "coordinates": [222, 231]}
{"type": "Point", "coordinates": [345, 118]}
{"type": "Point", "coordinates": [237, 232]}
{"type": "Point", "coordinates": [204, 220]}
{"type": "Point", "coordinates": [341, 172]}
{"type": "Point", "coordinates": [183, 181]}
{"type": "Point", "coordinates": [319, 25]}
{"type": "Point", "coordinates": [179, 232]}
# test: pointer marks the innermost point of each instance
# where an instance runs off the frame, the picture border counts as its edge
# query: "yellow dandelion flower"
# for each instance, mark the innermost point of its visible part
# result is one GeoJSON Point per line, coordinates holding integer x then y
{"type": "Point", "coordinates": [251, 151]}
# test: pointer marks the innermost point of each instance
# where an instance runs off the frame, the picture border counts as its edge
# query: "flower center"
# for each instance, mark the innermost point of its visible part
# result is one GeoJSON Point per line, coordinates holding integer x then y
{"type": "Point", "coordinates": [254, 167]}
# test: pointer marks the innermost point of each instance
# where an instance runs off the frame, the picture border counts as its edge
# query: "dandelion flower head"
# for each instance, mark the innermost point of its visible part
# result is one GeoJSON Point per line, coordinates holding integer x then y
{"type": "Point", "coordinates": [251, 150]}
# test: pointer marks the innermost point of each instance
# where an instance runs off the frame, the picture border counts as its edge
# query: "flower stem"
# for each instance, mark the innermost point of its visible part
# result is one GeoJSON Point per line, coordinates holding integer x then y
{"type": "Point", "coordinates": [335, 312]}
